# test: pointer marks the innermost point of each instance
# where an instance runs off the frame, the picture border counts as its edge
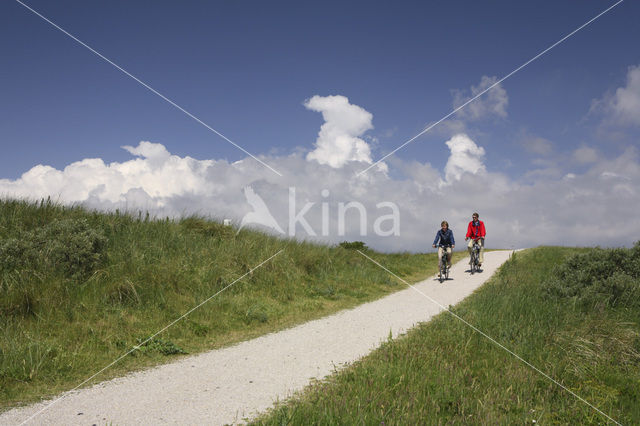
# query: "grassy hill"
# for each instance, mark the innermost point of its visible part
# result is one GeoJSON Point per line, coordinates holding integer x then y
{"type": "Point", "coordinates": [78, 289]}
{"type": "Point", "coordinates": [572, 313]}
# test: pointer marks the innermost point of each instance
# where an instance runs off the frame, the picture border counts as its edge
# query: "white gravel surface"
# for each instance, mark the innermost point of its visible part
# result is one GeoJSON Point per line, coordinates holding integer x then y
{"type": "Point", "coordinates": [234, 383]}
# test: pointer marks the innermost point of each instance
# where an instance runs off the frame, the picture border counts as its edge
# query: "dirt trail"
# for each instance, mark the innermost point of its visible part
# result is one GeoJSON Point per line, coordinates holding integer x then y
{"type": "Point", "coordinates": [231, 384]}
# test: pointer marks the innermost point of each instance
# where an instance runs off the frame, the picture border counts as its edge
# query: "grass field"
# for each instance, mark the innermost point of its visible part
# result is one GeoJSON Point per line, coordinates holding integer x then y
{"type": "Point", "coordinates": [78, 289]}
{"type": "Point", "coordinates": [573, 313]}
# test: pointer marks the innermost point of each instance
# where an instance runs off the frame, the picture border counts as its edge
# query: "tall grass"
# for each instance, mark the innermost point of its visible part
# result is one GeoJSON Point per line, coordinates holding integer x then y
{"type": "Point", "coordinates": [443, 372]}
{"type": "Point", "coordinates": [80, 288]}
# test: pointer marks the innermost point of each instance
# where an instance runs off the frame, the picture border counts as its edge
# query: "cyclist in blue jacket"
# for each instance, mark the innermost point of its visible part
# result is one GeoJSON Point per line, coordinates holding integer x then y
{"type": "Point", "coordinates": [445, 242]}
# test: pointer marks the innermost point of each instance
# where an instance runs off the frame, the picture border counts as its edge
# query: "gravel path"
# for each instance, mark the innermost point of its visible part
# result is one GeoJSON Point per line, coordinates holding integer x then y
{"type": "Point", "coordinates": [231, 384]}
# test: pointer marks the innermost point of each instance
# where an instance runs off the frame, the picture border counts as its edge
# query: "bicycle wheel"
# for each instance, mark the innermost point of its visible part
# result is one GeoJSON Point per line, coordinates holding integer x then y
{"type": "Point", "coordinates": [473, 262]}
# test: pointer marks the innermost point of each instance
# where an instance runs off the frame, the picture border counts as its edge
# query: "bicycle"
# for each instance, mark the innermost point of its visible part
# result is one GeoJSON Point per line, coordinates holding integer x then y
{"type": "Point", "coordinates": [474, 261]}
{"type": "Point", "coordinates": [443, 269]}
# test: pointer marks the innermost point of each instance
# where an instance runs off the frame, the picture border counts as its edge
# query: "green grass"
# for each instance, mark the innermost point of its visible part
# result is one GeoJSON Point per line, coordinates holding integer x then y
{"type": "Point", "coordinates": [581, 328]}
{"type": "Point", "coordinates": [78, 289]}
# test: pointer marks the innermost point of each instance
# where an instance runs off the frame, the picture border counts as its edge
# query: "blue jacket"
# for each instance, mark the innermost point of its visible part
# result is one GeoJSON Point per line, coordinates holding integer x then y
{"type": "Point", "coordinates": [446, 238]}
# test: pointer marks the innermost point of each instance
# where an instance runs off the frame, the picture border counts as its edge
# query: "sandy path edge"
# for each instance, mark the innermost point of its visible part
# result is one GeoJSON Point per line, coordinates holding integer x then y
{"type": "Point", "coordinates": [230, 384]}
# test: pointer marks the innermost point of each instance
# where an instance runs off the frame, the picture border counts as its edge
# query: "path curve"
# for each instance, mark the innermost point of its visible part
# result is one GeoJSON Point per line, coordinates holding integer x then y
{"type": "Point", "coordinates": [230, 384]}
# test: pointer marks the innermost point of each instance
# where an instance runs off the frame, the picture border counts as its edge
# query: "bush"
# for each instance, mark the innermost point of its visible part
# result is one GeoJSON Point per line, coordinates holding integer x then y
{"type": "Point", "coordinates": [354, 245]}
{"type": "Point", "coordinates": [69, 247]}
{"type": "Point", "coordinates": [157, 345]}
{"type": "Point", "coordinates": [619, 289]}
{"type": "Point", "coordinates": [600, 276]}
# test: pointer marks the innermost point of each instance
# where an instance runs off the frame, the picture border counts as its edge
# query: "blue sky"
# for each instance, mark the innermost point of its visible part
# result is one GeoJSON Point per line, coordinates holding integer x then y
{"type": "Point", "coordinates": [246, 68]}
{"type": "Point", "coordinates": [321, 91]}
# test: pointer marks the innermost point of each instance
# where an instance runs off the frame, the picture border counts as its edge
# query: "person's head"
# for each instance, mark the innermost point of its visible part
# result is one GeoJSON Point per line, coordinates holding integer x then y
{"type": "Point", "coordinates": [445, 225]}
{"type": "Point", "coordinates": [475, 216]}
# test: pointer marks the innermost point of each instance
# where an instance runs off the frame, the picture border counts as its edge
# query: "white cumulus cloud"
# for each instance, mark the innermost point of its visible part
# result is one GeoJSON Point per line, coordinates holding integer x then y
{"type": "Point", "coordinates": [491, 104]}
{"type": "Point", "coordinates": [576, 210]}
{"type": "Point", "coordinates": [339, 138]}
{"type": "Point", "coordinates": [622, 107]}
{"type": "Point", "coordinates": [466, 157]}
{"type": "Point", "coordinates": [552, 205]}
{"type": "Point", "coordinates": [156, 173]}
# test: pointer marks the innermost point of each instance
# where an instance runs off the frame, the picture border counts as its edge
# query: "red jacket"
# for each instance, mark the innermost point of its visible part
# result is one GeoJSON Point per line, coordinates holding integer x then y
{"type": "Point", "coordinates": [476, 231]}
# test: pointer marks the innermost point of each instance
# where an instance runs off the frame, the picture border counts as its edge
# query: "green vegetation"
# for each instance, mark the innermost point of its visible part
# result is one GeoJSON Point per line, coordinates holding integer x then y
{"type": "Point", "coordinates": [599, 279]}
{"type": "Point", "coordinates": [79, 289]}
{"type": "Point", "coordinates": [573, 313]}
{"type": "Point", "coordinates": [353, 245]}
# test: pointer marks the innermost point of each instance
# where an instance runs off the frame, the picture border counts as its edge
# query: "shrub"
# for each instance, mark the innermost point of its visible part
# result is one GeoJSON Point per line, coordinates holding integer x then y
{"type": "Point", "coordinates": [158, 345]}
{"type": "Point", "coordinates": [619, 289]}
{"type": "Point", "coordinates": [600, 276]}
{"type": "Point", "coordinates": [353, 245]}
{"type": "Point", "coordinates": [69, 246]}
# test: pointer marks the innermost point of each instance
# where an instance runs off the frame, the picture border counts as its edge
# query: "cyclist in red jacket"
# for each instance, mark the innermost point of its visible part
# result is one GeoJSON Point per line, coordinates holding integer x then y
{"type": "Point", "coordinates": [476, 231]}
